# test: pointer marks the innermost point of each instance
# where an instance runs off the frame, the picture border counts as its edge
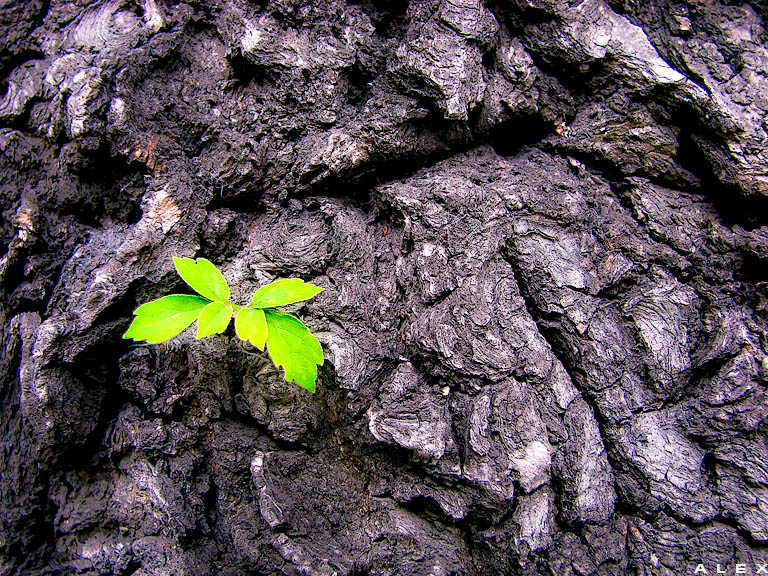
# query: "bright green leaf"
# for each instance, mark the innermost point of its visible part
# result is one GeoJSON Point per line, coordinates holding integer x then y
{"type": "Point", "coordinates": [251, 325]}
{"type": "Point", "coordinates": [292, 346]}
{"type": "Point", "coordinates": [203, 277]}
{"type": "Point", "coordinates": [213, 319]}
{"type": "Point", "coordinates": [282, 292]}
{"type": "Point", "coordinates": [161, 319]}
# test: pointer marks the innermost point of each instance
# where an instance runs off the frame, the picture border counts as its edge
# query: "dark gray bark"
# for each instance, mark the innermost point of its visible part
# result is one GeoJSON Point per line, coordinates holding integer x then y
{"type": "Point", "coordinates": [541, 230]}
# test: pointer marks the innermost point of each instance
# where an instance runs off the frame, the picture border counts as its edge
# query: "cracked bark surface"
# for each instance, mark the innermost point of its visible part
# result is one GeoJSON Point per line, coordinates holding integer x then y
{"type": "Point", "coordinates": [541, 230]}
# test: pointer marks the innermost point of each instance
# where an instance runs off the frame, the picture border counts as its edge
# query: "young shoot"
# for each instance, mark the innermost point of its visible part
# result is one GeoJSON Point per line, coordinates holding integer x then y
{"type": "Point", "coordinates": [290, 344]}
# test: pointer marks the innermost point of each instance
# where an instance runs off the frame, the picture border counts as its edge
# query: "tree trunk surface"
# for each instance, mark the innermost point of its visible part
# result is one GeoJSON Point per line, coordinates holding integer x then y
{"type": "Point", "coordinates": [540, 226]}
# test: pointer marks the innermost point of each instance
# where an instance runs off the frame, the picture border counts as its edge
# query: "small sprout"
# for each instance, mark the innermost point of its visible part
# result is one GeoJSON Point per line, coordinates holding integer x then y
{"type": "Point", "coordinates": [289, 342]}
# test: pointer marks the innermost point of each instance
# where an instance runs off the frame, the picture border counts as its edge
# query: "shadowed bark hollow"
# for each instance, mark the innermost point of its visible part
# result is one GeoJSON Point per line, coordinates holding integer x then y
{"type": "Point", "coordinates": [541, 230]}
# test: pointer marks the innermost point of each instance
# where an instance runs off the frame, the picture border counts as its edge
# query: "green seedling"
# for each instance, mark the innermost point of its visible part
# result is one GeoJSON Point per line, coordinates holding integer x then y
{"type": "Point", "coordinates": [290, 344]}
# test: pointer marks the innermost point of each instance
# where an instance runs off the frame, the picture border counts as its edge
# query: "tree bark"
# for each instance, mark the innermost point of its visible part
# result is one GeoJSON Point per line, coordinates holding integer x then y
{"type": "Point", "coordinates": [542, 234]}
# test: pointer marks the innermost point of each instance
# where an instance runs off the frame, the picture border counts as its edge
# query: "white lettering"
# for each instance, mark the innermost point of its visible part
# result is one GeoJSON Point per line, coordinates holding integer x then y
{"type": "Point", "coordinates": [740, 568]}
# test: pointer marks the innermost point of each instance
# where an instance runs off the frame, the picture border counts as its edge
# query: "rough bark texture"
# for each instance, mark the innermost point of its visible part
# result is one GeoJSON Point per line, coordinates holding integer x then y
{"type": "Point", "coordinates": [540, 226]}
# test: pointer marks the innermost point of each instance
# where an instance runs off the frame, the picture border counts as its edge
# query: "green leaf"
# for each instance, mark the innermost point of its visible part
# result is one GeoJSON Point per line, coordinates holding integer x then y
{"type": "Point", "coordinates": [203, 277]}
{"type": "Point", "coordinates": [282, 292]}
{"type": "Point", "coordinates": [251, 325]}
{"type": "Point", "coordinates": [161, 319]}
{"type": "Point", "coordinates": [292, 346]}
{"type": "Point", "coordinates": [213, 319]}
